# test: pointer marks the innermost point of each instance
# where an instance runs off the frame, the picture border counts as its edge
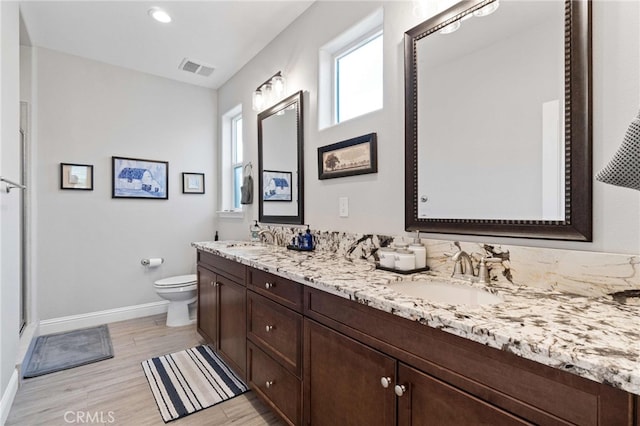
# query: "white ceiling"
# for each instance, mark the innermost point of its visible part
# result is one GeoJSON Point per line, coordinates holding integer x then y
{"type": "Point", "coordinates": [219, 33]}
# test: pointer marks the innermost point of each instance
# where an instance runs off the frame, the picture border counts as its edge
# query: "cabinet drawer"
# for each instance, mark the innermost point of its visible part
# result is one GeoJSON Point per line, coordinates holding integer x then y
{"type": "Point", "coordinates": [275, 385]}
{"type": "Point", "coordinates": [281, 290]}
{"type": "Point", "coordinates": [277, 330]}
{"type": "Point", "coordinates": [224, 266]}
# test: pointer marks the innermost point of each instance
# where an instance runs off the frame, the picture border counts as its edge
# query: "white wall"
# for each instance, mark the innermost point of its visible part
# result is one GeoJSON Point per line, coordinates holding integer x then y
{"type": "Point", "coordinates": [88, 245]}
{"type": "Point", "coordinates": [9, 203]}
{"type": "Point", "coordinates": [376, 201]}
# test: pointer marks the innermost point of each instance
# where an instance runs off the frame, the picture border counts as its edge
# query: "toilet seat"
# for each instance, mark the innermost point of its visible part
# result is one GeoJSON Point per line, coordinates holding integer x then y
{"type": "Point", "coordinates": [177, 281]}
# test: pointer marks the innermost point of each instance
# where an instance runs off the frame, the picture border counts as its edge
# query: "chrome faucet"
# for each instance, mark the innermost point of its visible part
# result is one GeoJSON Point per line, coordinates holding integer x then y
{"type": "Point", "coordinates": [466, 269]}
{"type": "Point", "coordinates": [463, 266]}
{"type": "Point", "coordinates": [274, 237]}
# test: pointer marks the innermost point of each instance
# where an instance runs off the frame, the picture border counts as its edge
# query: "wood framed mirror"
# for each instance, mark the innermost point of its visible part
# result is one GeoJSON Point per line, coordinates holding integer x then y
{"type": "Point", "coordinates": [280, 161]}
{"type": "Point", "coordinates": [498, 137]}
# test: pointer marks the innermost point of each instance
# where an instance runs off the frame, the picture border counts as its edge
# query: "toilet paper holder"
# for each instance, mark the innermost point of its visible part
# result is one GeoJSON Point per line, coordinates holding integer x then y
{"type": "Point", "coordinates": [154, 261]}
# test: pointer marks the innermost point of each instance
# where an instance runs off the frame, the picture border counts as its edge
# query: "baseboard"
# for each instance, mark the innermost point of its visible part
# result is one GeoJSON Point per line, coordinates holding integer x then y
{"type": "Point", "coordinates": [25, 345]}
{"type": "Point", "coordinates": [8, 396]}
{"type": "Point", "coordinates": [73, 322]}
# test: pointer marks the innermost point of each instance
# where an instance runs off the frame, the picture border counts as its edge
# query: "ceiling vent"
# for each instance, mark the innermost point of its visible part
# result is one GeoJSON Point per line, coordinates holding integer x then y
{"type": "Point", "coordinates": [195, 67]}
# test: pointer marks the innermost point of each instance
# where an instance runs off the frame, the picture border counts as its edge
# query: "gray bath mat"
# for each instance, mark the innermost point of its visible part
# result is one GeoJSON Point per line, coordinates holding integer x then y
{"type": "Point", "coordinates": [60, 351]}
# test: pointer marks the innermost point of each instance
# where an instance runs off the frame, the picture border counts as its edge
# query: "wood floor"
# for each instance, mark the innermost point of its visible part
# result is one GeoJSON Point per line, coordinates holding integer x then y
{"type": "Point", "coordinates": [116, 392]}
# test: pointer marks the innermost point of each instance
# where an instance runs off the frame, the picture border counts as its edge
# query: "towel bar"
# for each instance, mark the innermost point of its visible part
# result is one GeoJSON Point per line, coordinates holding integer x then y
{"type": "Point", "coordinates": [11, 184]}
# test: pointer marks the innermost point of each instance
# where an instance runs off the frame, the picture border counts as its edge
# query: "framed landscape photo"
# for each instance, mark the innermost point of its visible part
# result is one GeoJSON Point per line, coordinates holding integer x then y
{"type": "Point", "coordinates": [138, 178]}
{"type": "Point", "coordinates": [193, 183]}
{"type": "Point", "coordinates": [277, 185]}
{"type": "Point", "coordinates": [76, 176]}
{"type": "Point", "coordinates": [351, 157]}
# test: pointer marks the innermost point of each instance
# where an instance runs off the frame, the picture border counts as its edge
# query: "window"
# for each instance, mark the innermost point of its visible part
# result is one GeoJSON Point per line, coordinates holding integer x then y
{"type": "Point", "coordinates": [358, 79]}
{"type": "Point", "coordinates": [351, 72]}
{"type": "Point", "coordinates": [231, 160]}
{"type": "Point", "coordinates": [236, 158]}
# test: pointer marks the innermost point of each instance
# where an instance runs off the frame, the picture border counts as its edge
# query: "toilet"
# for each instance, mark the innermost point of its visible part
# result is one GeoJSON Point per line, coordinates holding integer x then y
{"type": "Point", "coordinates": [180, 291]}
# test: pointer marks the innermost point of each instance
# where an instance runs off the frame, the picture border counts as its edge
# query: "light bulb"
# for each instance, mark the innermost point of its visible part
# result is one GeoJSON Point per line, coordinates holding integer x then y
{"type": "Point", "coordinates": [159, 15]}
{"type": "Point", "coordinates": [257, 100]}
{"type": "Point", "coordinates": [450, 28]}
{"type": "Point", "coordinates": [278, 86]}
{"type": "Point", "coordinates": [488, 9]}
{"type": "Point", "coordinates": [267, 94]}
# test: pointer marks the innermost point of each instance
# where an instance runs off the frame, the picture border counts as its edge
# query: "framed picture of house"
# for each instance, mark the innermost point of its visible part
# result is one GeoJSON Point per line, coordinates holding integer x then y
{"type": "Point", "coordinates": [138, 178]}
{"type": "Point", "coordinates": [357, 156]}
{"type": "Point", "coordinates": [76, 176]}
{"type": "Point", "coordinates": [277, 185]}
{"type": "Point", "coordinates": [193, 183]}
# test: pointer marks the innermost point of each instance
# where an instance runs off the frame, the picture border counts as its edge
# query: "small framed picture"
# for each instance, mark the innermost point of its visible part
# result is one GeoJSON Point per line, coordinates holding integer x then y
{"type": "Point", "coordinates": [277, 185]}
{"type": "Point", "coordinates": [76, 176]}
{"type": "Point", "coordinates": [137, 178]}
{"type": "Point", "coordinates": [351, 157]}
{"type": "Point", "coordinates": [193, 183]}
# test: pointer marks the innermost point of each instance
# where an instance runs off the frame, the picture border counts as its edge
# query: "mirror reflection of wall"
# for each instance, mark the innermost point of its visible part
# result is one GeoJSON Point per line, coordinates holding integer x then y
{"type": "Point", "coordinates": [280, 162]}
{"type": "Point", "coordinates": [490, 165]}
{"type": "Point", "coordinates": [279, 139]}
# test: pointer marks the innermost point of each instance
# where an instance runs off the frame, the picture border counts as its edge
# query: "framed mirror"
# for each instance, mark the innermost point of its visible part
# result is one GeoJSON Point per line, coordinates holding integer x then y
{"type": "Point", "coordinates": [280, 164]}
{"type": "Point", "coordinates": [498, 120]}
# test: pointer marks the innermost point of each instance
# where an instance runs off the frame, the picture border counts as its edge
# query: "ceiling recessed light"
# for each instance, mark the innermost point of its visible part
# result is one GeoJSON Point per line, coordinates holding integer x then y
{"type": "Point", "coordinates": [159, 15]}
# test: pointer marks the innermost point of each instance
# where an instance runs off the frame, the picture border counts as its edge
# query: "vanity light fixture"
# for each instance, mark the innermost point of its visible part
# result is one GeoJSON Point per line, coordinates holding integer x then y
{"type": "Point", "coordinates": [488, 9]}
{"type": "Point", "coordinates": [450, 28]}
{"type": "Point", "coordinates": [269, 92]}
{"type": "Point", "coordinates": [159, 15]}
{"type": "Point", "coordinates": [624, 168]}
{"type": "Point", "coordinates": [483, 11]}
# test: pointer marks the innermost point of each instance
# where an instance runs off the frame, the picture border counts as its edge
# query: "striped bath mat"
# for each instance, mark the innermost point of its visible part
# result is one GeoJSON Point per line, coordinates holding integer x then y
{"type": "Point", "coordinates": [191, 380]}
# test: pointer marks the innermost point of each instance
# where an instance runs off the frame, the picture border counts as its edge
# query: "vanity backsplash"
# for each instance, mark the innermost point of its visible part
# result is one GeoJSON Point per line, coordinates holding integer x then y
{"type": "Point", "coordinates": [569, 271]}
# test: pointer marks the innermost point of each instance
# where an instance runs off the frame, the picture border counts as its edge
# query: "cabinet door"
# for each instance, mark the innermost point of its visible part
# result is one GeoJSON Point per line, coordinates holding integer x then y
{"type": "Point", "coordinates": [207, 305]}
{"type": "Point", "coordinates": [425, 400]}
{"type": "Point", "coordinates": [232, 337]}
{"type": "Point", "coordinates": [342, 380]}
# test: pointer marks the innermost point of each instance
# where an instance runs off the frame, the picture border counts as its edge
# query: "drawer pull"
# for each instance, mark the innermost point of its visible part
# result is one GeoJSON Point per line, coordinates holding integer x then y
{"type": "Point", "coordinates": [269, 383]}
{"type": "Point", "coordinates": [211, 283]}
{"type": "Point", "coordinates": [268, 328]}
{"type": "Point", "coordinates": [268, 285]}
{"type": "Point", "coordinates": [385, 382]}
{"type": "Point", "coordinates": [400, 389]}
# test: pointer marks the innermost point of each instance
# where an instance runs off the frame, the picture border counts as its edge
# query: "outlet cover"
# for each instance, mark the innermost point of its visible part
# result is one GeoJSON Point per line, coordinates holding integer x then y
{"type": "Point", "coordinates": [344, 206]}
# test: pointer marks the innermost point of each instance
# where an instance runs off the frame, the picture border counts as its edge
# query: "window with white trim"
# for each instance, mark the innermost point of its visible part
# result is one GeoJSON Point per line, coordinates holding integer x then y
{"type": "Point", "coordinates": [351, 72]}
{"type": "Point", "coordinates": [236, 158]}
{"type": "Point", "coordinates": [231, 159]}
{"type": "Point", "coordinates": [358, 78]}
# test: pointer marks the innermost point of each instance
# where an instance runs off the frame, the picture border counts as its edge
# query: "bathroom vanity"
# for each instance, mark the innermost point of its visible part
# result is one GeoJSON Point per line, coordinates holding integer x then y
{"type": "Point", "coordinates": [323, 340]}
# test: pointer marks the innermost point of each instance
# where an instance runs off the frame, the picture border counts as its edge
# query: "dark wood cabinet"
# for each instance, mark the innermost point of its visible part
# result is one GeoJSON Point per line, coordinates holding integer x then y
{"type": "Point", "coordinates": [222, 315]}
{"type": "Point", "coordinates": [460, 381]}
{"type": "Point", "coordinates": [207, 317]}
{"type": "Point", "coordinates": [425, 400]}
{"type": "Point", "coordinates": [342, 380]}
{"type": "Point", "coordinates": [232, 329]}
{"type": "Point", "coordinates": [274, 333]}
{"type": "Point", "coordinates": [274, 384]}
{"type": "Point", "coordinates": [319, 359]}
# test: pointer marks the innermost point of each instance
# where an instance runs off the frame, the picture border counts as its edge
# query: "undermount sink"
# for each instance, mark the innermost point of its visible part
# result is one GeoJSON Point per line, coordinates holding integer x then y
{"type": "Point", "coordinates": [247, 246]}
{"type": "Point", "coordinates": [445, 292]}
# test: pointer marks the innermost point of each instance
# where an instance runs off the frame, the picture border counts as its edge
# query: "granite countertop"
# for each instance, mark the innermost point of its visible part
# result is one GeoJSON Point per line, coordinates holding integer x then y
{"type": "Point", "coordinates": [596, 338]}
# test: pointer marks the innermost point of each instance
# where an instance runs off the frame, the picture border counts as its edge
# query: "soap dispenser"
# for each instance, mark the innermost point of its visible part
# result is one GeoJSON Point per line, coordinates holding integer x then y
{"type": "Point", "coordinates": [419, 251]}
{"type": "Point", "coordinates": [307, 240]}
{"type": "Point", "coordinates": [255, 231]}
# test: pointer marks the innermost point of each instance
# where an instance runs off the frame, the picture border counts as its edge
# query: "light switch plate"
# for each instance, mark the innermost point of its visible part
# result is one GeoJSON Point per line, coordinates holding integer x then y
{"type": "Point", "coordinates": [344, 206]}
